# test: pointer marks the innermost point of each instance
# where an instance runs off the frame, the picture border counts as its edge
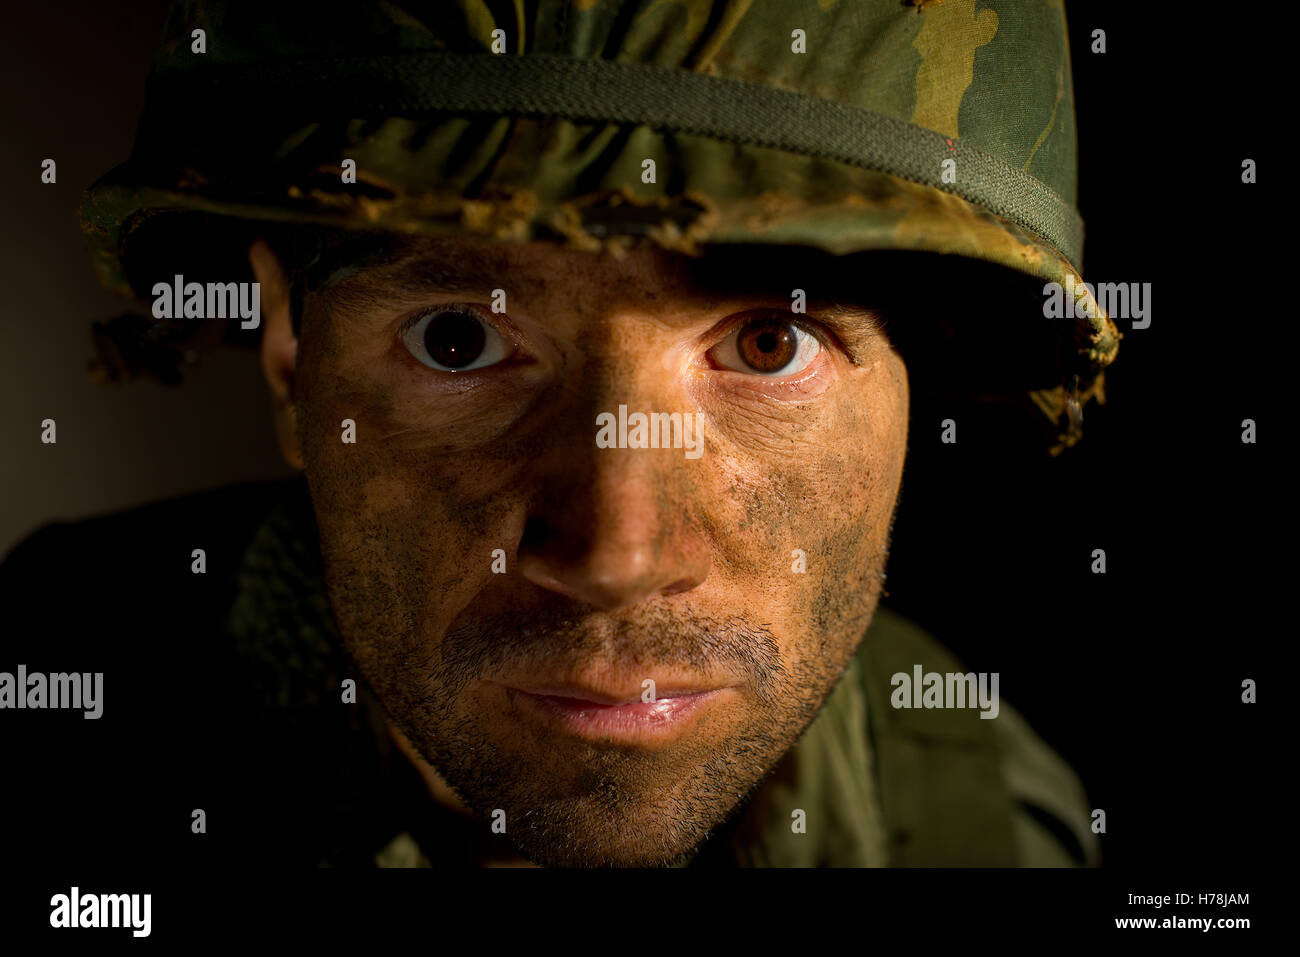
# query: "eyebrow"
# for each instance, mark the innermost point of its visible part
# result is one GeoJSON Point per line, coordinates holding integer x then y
{"type": "Point", "coordinates": [856, 326]}
{"type": "Point", "coordinates": [744, 274]}
{"type": "Point", "coordinates": [407, 271]}
{"type": "Point", "coordinates": [406, 267]}
{"type": "Point", "coordinates": [764, 274]}
{"type": "Point", "coordinates": [849, 312]}
{"type": "Point", "coordinates": [424, 271]}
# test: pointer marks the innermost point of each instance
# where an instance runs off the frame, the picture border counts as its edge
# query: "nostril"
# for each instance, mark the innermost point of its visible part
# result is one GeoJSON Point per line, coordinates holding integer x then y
{"type": "Point", "coordinates": [681, 585]}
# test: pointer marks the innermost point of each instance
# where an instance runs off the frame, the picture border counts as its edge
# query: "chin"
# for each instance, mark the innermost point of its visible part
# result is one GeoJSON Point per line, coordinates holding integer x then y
{"type": "Point", "coordinates": [580, 834]}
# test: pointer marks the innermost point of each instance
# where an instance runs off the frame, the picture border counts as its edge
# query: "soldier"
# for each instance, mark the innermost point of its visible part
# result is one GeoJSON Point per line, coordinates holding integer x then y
{"type": "Point", "coordinates": [500, 614]}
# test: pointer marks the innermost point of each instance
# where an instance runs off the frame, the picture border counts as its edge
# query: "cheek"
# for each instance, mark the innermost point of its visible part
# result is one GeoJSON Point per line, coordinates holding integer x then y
{"type": "Point", "coordinates": [407, 528]}
{"type": "Point", "coordinates": [826, 465]}
{"type": "Point", "coordinates": [859, 489]}
{"type": "Point", "coordinates": [828, 490]}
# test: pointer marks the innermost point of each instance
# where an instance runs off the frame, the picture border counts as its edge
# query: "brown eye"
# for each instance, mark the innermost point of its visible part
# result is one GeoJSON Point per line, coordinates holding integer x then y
{"type": "Point", "coordinates": [769, 346]}
{"type": "Point", "coordinates": [454, 340]}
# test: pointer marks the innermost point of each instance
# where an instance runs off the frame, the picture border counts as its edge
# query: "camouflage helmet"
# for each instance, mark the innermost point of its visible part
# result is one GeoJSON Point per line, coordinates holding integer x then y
{"type": "Point", "coordinates": [944, 126]}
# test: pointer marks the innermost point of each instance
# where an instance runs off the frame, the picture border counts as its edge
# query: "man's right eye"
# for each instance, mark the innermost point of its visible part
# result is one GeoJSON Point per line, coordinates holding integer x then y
{"type": "Point", "coordinates": [454, 339]}
{"type": "Point", "coordinates": [767, 346]}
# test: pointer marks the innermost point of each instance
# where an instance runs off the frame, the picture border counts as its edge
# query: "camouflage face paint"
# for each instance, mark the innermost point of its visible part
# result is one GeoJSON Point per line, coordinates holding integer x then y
{"type": "Point", "coordinates": [621, 563]}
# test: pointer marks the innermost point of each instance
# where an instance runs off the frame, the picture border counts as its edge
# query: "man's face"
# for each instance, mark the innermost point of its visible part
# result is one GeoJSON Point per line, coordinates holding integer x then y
{"type": "Point", "coordinates": [521, 674]}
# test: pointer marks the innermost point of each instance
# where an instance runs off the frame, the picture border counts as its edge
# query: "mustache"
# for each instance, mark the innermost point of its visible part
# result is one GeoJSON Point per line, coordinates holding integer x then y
{"type": "Point", "coordinates": [544, 641]}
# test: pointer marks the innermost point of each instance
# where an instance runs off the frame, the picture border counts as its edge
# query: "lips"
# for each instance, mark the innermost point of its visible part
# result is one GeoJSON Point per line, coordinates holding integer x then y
{"type": "Point", "coordinates": [580, 693]}
{"type": "Point", "coordinates": [623, 718]}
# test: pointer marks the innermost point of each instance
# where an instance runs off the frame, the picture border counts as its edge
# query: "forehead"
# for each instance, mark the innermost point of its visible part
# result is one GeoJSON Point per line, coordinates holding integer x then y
{"type": "Point", "coordinates": [401, 265]}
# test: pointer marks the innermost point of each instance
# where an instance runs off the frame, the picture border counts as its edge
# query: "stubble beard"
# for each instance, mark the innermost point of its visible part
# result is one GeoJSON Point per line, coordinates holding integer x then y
{"type": "Point", "coordinates": [590, 804]}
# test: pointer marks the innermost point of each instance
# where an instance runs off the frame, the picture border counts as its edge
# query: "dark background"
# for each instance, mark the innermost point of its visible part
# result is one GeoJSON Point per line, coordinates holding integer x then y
{"type": "Point", "coordinates": [73, 77]}
{"type": "Point", "coordinates": [1133, 676]}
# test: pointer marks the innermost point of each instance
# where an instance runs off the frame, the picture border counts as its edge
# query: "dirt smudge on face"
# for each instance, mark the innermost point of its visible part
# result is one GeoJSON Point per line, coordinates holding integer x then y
{"type": "Point", "coordinates": [598, 544]}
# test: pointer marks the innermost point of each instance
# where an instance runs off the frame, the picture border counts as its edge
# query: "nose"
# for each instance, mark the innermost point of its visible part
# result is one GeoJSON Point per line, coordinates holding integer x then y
{"type": "Point", "coordinates": [613, 528]}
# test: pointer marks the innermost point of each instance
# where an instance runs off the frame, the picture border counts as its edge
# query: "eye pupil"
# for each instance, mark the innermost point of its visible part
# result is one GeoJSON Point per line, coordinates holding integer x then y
{"type": "Point", "coordinates": [767, 345]}
{"type": "Point", "coordinates": [454, 339]}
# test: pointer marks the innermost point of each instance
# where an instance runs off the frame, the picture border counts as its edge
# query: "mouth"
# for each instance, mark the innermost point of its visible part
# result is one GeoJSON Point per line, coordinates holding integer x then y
{"type": "Point", "coordinates": [597, 715]}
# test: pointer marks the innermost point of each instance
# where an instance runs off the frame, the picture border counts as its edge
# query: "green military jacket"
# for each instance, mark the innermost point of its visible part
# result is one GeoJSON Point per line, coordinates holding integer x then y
{"type": "Point", "coordinates": [877, 786]}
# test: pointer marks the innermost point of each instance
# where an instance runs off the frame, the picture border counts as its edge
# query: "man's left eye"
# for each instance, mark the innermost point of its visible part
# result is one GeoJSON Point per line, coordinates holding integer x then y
{"type": "Point", "coordinates": [770, 346]}
{"type": "Point", "coordinates": [453, 339]}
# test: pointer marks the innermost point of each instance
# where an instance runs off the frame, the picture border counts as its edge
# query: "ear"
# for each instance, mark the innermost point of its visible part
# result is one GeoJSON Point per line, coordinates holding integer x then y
{"type": "Point", "coordinates": [279, 347]}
